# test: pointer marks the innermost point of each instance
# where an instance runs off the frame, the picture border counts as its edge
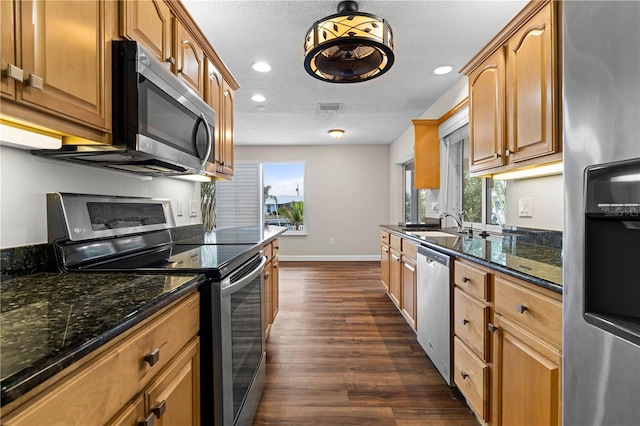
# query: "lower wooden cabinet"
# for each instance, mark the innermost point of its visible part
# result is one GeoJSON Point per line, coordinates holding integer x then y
{"type": "Point", "coordinates": [409, 290]}
{"type": "Point", "coordinates": [385, 259]}
{"type": "Point", "coordinates": [395, 277]}
{"type": "Point", "coordinates": [127, 380]}
{"type": "Point", "coordinates": [271, 284]}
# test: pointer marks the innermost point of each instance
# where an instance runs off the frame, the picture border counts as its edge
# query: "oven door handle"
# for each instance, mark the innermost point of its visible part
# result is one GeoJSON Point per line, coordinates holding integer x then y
{"type": "Point", "coordinates": [240, 284]}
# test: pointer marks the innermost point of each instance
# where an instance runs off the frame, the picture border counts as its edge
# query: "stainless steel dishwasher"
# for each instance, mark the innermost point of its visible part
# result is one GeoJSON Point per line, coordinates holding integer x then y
{"type": "Point", "coordinates": [434, 308]}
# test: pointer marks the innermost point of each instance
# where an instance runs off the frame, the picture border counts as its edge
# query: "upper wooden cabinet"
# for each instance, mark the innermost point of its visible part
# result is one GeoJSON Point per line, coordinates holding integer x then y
{"type": "Point", "coordinates": [59, 58]}
{"type": "Point", "coordinates": [220, 96]}
{"type": "Point", "coordinates": [514, 94]}
{"type": "Point", "coordinates": [426, 151]}
{"type": "Point", "coordinates": [190, 61]}
{"type": "Point", "coordinates": [150, 23]}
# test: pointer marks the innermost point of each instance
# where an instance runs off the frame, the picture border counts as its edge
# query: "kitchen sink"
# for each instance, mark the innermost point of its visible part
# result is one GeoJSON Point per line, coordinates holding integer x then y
{"type": "Point", "coordinates": [434, 234]}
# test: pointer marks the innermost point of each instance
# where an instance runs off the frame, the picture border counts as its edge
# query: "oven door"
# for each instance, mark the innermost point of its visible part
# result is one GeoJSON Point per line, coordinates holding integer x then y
{"type": "Point", "coordinates": [243, 347]}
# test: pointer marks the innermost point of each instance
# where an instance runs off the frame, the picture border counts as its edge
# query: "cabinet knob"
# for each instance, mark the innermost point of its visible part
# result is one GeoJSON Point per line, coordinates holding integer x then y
{"type": "Point", "coordinates": [159, 409]}
{"type": "Point", "coordinates": [464, 321]}
{"type": "Point", "coordinates": [171, 60]}
{"type": "Point", "coordinates": [464, 375]}
{"type": "Point", "coordinates": [266, 276]}
{"type": "Point", "coordinates": [492, 328]}
{"type": "Point", "coordinates": [153, 357]}
{"type": "Point", "coordinates": [465, 279]}
{"type": "Point", "coordinates": [36, 82]}
{"type": "Point", "coordinates": [14, 73]}
{"type": "Point", "coordinates": [520, 308]}
{"type": "Point", "coordinates": [150, 420]}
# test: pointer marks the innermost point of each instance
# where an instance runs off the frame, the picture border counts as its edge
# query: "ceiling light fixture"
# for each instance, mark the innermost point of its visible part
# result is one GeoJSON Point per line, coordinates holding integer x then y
{"type": "Point", "coordinates": [258, 98]}
{"type": "Point", "coordinates": [445, 69]}
{"type": "Point", "coordinates": [261, 67]}
{"type": "Point", "coordinates": [336, 133]}
{"type": "Point", "coordinates": [348, 47]}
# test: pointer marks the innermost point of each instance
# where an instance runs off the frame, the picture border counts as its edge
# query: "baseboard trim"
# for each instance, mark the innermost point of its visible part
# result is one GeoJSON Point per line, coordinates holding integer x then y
{"type": "Point", "coordinates": [345, 258]}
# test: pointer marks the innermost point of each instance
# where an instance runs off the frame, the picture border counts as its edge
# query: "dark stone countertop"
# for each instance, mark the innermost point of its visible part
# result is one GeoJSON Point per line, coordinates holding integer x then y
{"type": "Point", "coordinates": [50, 320]}
{"type": "Point", "coordinates": [531, 255]}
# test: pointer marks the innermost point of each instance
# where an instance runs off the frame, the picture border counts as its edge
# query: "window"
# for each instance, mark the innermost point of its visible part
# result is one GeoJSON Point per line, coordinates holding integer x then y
{"type": "Point", "coordinates": [283, 195]}
{"type": "Point", "coordinates": [415, 200]}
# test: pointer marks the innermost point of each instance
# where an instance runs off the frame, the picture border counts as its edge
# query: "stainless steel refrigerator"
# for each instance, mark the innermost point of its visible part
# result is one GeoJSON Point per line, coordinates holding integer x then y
{"type": "Point", "coordinates": [601, 127]}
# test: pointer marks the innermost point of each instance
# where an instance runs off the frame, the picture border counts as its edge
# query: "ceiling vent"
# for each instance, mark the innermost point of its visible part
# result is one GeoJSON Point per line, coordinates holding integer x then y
{"type": "Point", "coordinates": [335, 107]}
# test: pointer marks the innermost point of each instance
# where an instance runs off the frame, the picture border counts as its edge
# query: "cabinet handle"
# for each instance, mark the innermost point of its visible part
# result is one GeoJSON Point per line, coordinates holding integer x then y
{"type": "Point", "coordinates": [492, 328]}
{"type": "Point", "coordinates": [409, 267]}
{"type": "Point", "coordinates": [159, 409]}
{"type": "Point", "coordinates": [465, 279]}
{"type": "Point", "coordinates": [464, 321]}
{"type": "Point", "coordinates": [496, 155]}
{"type": "Point", "coordinates": [464, 375]}
{"type": "Point", "coordinates": [14, 73]}
{"type": "Point", "coordinates": [266, 276]}
{"type": "Point", "coordinates": [396, 258]}
{"type": "Point", "coordinates": [153, 357]}
{"type": "Point", "coordinates": [171, 60]}
{"type": "Point", "coordinates": [507, 152]}
{"type": "Point", "coordinates": [520, 308]}
{"type": "Point", "coordinates": [36, 82]}
{"type": "Point", "coordinates": [150, 420]}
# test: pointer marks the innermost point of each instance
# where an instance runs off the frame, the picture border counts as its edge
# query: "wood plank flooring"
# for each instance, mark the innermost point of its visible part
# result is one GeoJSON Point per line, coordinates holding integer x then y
{"type": "Point", "coordinates": [340, 353]}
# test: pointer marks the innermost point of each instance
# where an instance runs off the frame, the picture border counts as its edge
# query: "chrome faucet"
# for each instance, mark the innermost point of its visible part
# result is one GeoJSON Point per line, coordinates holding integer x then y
{"type": "Point", "coordinates": [458, 218]}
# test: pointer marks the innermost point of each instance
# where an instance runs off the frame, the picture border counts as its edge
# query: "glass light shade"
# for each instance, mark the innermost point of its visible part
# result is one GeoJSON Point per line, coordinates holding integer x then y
{"type": "Point", "coordinates": [336, 133]}
{"type": "Point", "coordinates": [348, 47]}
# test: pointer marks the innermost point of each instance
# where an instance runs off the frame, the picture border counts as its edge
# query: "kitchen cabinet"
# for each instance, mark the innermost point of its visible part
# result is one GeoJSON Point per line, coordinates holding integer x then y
{"type": "Point", "coordinates": [220, 96]}
{"type": "Point", "coordinates": [155, 361]}
{"type": "Point", "coordinates": [426, 151]}
{"type": "Point", "coordinates": [271, 284]}
{"type": "Point", "coordinates": [507, 347]}
{"type": "Point", "coordinates": [514, 94]}
{"type": "Point", "coordinates": [190, 62]}
{"type": "Point", "coordinates": [395, 270]}
{"type": "Point", "coordinates": [150, 23]}
{"type": "Point", "coordinates": [58, 61]}
{"type": "Point", "coordinates": [409, 289]}
{"type": "Point", "coordinates": [385, 259]}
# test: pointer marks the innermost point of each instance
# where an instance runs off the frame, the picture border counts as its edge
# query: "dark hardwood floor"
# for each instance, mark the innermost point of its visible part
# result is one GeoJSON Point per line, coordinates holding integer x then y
{"type": "Point", "coordinates": [340, 353]}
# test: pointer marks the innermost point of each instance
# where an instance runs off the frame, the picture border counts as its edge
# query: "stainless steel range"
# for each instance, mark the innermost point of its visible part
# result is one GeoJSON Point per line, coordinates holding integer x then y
{"type": "Point", "coordinates": [92, 233]}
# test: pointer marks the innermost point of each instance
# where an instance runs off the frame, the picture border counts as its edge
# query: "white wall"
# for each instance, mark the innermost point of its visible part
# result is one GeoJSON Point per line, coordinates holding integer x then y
{"type": "Point", "coordinates": [346, 198]}
{"type": "Point", "coordinates": [25, 179]}
{"type": "Point", "coordinates": [547, 194]}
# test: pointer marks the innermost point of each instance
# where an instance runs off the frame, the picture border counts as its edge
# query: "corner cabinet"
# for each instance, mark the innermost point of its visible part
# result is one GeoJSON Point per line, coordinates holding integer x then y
{"type": "Point", "coordinates": [149, 374]}
{"type": "Point", "coordinates": [514, 94]}
{"type": "Point", "coordinates": [56, 62]}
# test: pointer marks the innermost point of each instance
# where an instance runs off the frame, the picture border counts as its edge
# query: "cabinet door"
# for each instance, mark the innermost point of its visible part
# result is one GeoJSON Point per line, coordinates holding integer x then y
{"type": "Point", "coordinates": [228, 107]}
{"type": "Point", "coordinates": [395, 276]}
{"type": "Point", "coordinates": [133, 415]}
{"type": "Point", "coordinates": [190, 60]}
{"type": "Point", "coordinates": [385, 258]}
{"type": "Point", "coordinates": [174, 397]}
{"type": "Point", "coordinates": [213, 96]}
{"type": "Point", "coordinates": [268, 298]}
{"type": "Point", "coordinates": [409, 283]}
{"type": "Point", "coordinates": [275, 288]}
{"type": "Point", "coordinates": [530, 86]}
{"type": "Point", "coordinates": [66, 59]}
{"type": "Point", "coordinates": [149, 23]}
{"type": "Point", "coordinates": [527, 377]}
{"type": "Point", "coordinates": [426, 152]}
{"type": "Point", "coordinates": [486, 113]}
{"type": "Point", "coordinates": [8, 53]}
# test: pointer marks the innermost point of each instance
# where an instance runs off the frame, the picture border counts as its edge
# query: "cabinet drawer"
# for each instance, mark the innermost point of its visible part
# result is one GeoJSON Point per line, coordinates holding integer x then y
{"type": "Point", "coordinates": [471, 375]}
{"type": "Point", "coordinates": [267, 251]}
{"type": "Point", "coordinates": [384, 237]}
{"type": "Point", "coordinates": [471, 318]}
{"type": "Point", "coordinates": [472, 280]}
{"type": "Point", "coordinates": [395, 242]}
{"type": "Point", "coordinates": [409, 249]}
{"type": "Point", "coordinates": [531, 309]}
{"type": "Point", "coordinates": [93, 394]}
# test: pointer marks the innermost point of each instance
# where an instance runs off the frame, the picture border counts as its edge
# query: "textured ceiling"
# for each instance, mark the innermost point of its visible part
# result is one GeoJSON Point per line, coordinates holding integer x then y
{"type": "Point", "coordinates": [427, 34]}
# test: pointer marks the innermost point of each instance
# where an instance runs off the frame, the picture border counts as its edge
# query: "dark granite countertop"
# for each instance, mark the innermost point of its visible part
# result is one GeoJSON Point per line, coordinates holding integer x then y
{"type": "Point", "coordinates": [50, 320]}
{"type": "Point", "coordinates": [533, 256]}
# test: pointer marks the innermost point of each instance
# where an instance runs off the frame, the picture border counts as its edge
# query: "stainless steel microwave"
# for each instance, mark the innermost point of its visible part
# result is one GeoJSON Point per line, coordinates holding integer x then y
{"type": "Point", "coordinates": [161, 127]}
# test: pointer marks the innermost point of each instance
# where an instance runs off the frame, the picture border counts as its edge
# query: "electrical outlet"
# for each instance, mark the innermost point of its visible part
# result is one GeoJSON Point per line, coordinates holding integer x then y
{"type": "Point", "coordinates": [180, 207]}
{"type": "Point", "coordinates": [525, 207]}
{"type": "Point", "coordinates": [434, 206]}
{"type": "Point", "coordinates": [331, 241]}
{"type": "Point", "coordinates": [193, 208]}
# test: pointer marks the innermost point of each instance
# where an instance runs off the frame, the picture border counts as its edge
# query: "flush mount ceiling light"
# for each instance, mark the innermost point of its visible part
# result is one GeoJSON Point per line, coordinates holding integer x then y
{"type": "Point", "coordinates": [258, 98]}
{"type": "Point", "coordinates": [336, 133]}
{"type": "Point", "coordinates": [348, 47]}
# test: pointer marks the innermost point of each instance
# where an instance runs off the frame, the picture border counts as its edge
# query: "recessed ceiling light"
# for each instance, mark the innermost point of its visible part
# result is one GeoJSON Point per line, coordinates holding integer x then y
{"type": "Point", "coordinates": [258, 98]}
{"type": "Point", "coordinates": [446, 69]}
{"type": "Point", "coordinates": [336, 133]}
{"type": "Point", "coordinates": [261, 67]}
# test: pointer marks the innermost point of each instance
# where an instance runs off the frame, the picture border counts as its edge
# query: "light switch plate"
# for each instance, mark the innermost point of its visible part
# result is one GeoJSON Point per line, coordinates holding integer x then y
{"type": "Point", "coordinates": [180, 207]}
{"type": "Point", "coordinates": [193, 208]}
{"type": "Point", "coordinates": [525, 207]}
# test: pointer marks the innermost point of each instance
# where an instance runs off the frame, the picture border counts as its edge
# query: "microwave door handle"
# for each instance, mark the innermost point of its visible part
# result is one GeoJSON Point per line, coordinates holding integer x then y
{"type": "Point", "coordinates": [209, 139]}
